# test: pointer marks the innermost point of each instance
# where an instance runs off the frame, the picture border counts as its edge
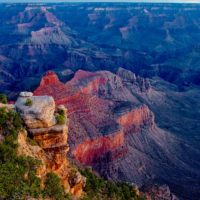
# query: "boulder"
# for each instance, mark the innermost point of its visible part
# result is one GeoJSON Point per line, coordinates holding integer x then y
{"type": "Point", "coordinates": [38, 115]}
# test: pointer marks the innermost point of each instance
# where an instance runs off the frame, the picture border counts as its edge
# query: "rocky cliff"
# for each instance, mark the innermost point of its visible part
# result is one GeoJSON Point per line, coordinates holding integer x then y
{"type": "Point", "coordinates": [115, 133]}
{"type": "Point", "coordinates": [92, 102]}
{"type": "Point", "coordinates": [40, 122]}
{"type": "Point", "coordinates": [38, 38]}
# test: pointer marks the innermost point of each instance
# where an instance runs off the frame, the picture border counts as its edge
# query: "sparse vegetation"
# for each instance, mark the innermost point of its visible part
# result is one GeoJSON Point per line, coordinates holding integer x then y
{"type": "Point", "coordinates": [60, 117]}
{"type": "Point", "coordinates": [33, 142]}
{"type": "Point", "coordinates": [18, 174]}
{"type": "Point", "coordinates": [98, 188]}
{"type": "Point", "coordinates": [3, 98]}
{"type": "Point", "coordinates": [29, 102]}
{"type": "Point", "coordinates": [18, 178]}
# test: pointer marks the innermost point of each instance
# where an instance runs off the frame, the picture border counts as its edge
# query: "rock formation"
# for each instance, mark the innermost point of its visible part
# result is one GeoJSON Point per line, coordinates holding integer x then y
{"type": "Point", "coordinates": [158, 192]}
{"type": "Point", "coordinates": [38, 115]}
{"type": "Point", "coordinates": [39, 119]}
{"type": "Point", "coordinates": [115, 133]}
{"type": "Point", "coordinates": [37, 38]}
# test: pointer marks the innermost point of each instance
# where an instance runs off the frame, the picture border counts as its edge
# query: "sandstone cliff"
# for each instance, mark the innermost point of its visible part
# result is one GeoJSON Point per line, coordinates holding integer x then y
{"type": "Point", "coordinates": [39, 119]}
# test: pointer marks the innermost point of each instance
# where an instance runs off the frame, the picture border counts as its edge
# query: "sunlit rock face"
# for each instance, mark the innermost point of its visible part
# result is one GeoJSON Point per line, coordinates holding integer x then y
{"type": "Point", "coordinates": [38, 115]}
{"type": "Point", "coordinates": [39, 119]}
{"type": "Point", "coordinates": [91, 151]}
{"type": "Point", "coordinates": [114, 132]}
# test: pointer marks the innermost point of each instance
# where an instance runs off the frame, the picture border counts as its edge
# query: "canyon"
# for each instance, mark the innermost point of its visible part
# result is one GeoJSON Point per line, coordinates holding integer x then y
{"type": "Point", "coordinates": [150, 40]}
{"type": "Point", "coordinates": [128, 75]}
{"type": "Point", "coordinates": [50, 138]}
{"type": "Point", "coordinates": [115, 133]}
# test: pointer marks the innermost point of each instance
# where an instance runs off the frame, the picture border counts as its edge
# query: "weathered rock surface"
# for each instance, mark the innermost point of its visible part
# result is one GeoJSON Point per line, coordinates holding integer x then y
{"type": "Point", "coordinates": [130, 78]}
{"type": "Point", "coordinates": [50, 78]}
{"type": "Point", "coordinates": [38, 115]}
{"type": "Point", "coordinates": [42, 37]}
{"type": "Point", "coordinates": [91, 151]}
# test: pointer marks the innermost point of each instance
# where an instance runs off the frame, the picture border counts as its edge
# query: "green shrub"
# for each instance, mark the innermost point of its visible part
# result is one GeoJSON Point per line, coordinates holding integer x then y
{"type": "Point", "coordinates": [33, 142]}
{"type": "Point", "coordinates": [3, 98]}
{"type": "Point", "coordinates": [29, 102]}
{"type": "Point", "coordinates": [60, 119]}
{"type": "Point", "coordinates": [13, 182]}
{"type": "Point", "coordinates": [10, 121]}
{"type": "Point", "coordinates": [53, 188]}
{"type": "Point", "coordinates": [96, 187]}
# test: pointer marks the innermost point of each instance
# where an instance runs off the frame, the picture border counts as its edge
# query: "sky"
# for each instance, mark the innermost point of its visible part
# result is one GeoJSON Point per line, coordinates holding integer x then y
{"type": "Point", "coordinates": [147, 1]}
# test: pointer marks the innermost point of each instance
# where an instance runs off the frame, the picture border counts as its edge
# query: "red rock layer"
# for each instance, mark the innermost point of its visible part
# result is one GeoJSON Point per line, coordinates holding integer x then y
{"type": "Point", "coordinates": [88, 113]}
{"type": "Point", "coordinates": [49, 78]}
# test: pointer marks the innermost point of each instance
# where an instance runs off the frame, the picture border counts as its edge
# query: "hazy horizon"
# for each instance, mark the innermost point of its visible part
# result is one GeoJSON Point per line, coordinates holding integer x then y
{"type": "Point", "coordinates": [119, 1]}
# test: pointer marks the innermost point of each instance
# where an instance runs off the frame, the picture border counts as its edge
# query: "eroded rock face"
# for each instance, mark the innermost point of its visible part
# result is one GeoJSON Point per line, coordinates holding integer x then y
{"type": "Point", "coordinates": [91, 151]}
{"type": "Point", "coordinates": [38, 115]}
{"type": "Point", "coordinates": [100, 106]}
{"type": "Point", "coordinates": [40, 121]}
{"type": "Point", "coordinates": [158, 192]}
{"type": "Point", "coordinates": [129, 78]}
{"type": "Point", "coordinates": [100, 121]}
{"type": "Point", "coordinates": [140, 116]}
{"type": "Point", "coordinates": [50, 78]}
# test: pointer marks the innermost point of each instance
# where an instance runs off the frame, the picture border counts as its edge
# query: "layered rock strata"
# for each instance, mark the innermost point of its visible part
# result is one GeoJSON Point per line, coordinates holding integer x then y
{"type": "Point", "coordinates": [114, 132]}
{"type": "Point", "coordinates": [100, 119]}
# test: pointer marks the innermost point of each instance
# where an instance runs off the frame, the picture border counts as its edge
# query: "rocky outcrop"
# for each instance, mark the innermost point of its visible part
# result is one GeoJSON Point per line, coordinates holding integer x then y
{"type": "Point", "coordinates": [158, 192]}
{"type": "Point", "coordinates": [35, 151]}
{"type": "Point", "coordinates": [50, 78]}
{"type": "Point", "coordinates": [92, 102]}
{"type": "Point", "coordinates": [129, 78]}
{"type": "Point", "coordinates": [38, 115]}
{"type": "Point", "coordinates": [52, 138]}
